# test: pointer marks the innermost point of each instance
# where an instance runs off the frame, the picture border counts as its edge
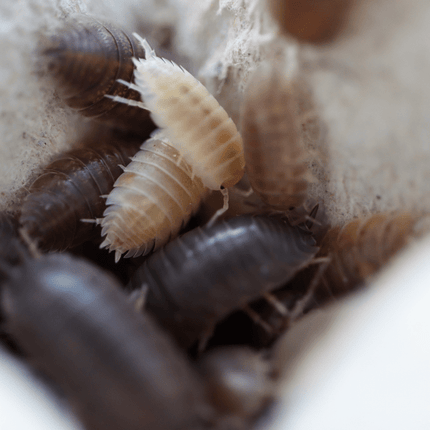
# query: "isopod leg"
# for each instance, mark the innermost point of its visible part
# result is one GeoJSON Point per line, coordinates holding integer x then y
{"type": "Point", "coordinates": [224, 208]}
{"type": "Point", "coordinates": [127, 101]}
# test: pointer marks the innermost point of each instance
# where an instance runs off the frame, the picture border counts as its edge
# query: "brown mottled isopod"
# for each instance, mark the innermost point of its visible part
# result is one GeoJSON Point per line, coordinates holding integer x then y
{"type": "Point", "coordinates": [360, 248]}
{"type": "Point", "coordinates": [314, 21]}
{"type": "Point", "coordinates": [119, 370]}
{"type": "Point", "coordinates": [276, 161]}
{"type": "Point", "coordinates": [151, 201]}
{"type": "Point", "coordinates": [87, 57]}
{"type": "Point", "coordinates": [355, 252]}
{"type": "Point", "coordinates": [198, 279]}
{"type": "Point", "coordinates": [70, 189]}
{"type": "Point", "coordinates": [191, 118]}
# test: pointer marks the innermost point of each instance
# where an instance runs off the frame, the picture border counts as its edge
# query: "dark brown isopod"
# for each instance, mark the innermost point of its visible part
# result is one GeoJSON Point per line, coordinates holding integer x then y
{"type": "Point", "coordinates": [119, 370]}
{"type": "Point", "coordinates": [201, 277]}
{"type": "Point", "coordinates": [71, 189]}
{"type": "Point", "coordinates": [86, 58]}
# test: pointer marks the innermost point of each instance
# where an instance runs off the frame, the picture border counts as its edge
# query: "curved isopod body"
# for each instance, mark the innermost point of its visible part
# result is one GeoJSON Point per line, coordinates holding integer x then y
{"type": "Point", "coordinates": [355, 252]}
{"type": "Point", "coordinates": [359, 249]}
{"type": "Point", "coordinates": [276, 160]}
{"type": "Point", "coordinates": [86, 58]}
{"type": "Point", "coordinates": [191, 119]}
{"type": "Point", "coordinates": [201, 277]}
{"type": "Point", "coordinates": [151, 201]}
{"type": "Point", "coordinates": [118, 368]}
{"type": "Point", "coordinates": [311, 21]}
{"type": "Point", "coordinates": [70, 189]}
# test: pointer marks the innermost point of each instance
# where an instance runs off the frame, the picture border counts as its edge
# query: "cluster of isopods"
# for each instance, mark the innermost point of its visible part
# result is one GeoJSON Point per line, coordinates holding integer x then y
{"type": "Point", "coordinates": [189, 327]}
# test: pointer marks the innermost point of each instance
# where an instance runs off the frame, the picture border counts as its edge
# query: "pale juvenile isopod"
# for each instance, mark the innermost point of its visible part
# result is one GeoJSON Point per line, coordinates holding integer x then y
{"type": "Point", "coordinates": [191, 118]}
{"type": "Point", "coordinates": [70, 189]}
{"type": "Point", "coordinates": [119, 370]}
{"type": "Point", "coordinates": [201, 277]}
{"type": "Point", "coordinates": [151, 201]}
{"type": "Point", "coordinates": [276, 160]}
{"type": "Point", "coordinates": [86, 58]}
{"type": "Point", "coordinates": [314, 21]}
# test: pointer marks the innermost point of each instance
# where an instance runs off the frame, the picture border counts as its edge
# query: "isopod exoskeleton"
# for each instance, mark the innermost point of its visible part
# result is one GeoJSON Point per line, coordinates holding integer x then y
{"type": "Point", "coordinates": [314, 21]}
{"type": "Point", "coordinates": [151, 201]}
{"type": "Point", "coordinates": [354, 252]}
{"type": "Point", "coordinates": [359, 249]}
{"type": "Point", "coordinates": [119, 370]}
{"type": "Point", "coordinates": [70, 189]}
{"type": "Point", "coordinates": [201, 277]}
{"type": "Point", "coordinates": [191, 118]}
{"type": "Point", "coordinates": [86, 58]}
{"type": "Point", "coordinates": [276, 160]}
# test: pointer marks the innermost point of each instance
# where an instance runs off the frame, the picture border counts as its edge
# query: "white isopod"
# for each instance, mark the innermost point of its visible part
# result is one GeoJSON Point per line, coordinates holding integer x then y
{"type": "Point", "coordinates": [190, 117]}
{"type": "Point", "coordinates": [151, 201]}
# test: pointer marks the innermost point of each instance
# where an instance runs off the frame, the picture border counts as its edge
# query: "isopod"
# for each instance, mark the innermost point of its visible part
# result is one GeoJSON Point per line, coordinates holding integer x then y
{"type": "Point", "coordinates": [355, 252]}
{"type": "Point", "coordinates": [70, 189]}
{"type": "Point", "coordinates": [151, 201]}
{"type": "Point", "coordinates": [276, 160]}
{"type": "Point", "coordinates": [201, 277]}
{"type": "Point", "coordinates": [191, 119]}
{"type": "Point", "coordinates": [86, 58]}
{"type": "Point", "coordinates": [311, 21]}
{"type": "Point", "coordinates": [119, 370]}
{"type": "Point", "coordinates": [359, 249]}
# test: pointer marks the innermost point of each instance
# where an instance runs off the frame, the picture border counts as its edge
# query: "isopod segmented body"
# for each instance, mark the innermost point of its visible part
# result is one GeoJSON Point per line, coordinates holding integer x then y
{"type": "Point", "coordinates": [191, 119]}
{"type": "Point", "coordinates": [359, 249]}
{"type": "Point", "coordinates": [116, 366]}
{"type": "Point", "coordinates": [151, 201]}
{"type": "Point", "coordinates": [70, 189]}
{"type": "Point", "coordinates": [311, 21]}
{"type": "Point", "coordinates": [276, 161]}
{"type": "Point", "coordinates": [201, 277]}
{"type": "Point", "coordinates": [86, 58]}
{"type": "Point", "coordinates": [354, 252]}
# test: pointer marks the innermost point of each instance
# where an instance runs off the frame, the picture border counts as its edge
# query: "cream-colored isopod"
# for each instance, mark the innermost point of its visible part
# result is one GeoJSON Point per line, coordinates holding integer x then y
{"type": "Point", "coordinates": [151, 201]}
{"type": "Point", "coordinates": [191, 118]}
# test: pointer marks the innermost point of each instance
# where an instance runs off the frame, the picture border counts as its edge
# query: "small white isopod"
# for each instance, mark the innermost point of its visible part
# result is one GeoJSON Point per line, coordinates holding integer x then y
{"type": "Point", "coordinates": [151, 201]}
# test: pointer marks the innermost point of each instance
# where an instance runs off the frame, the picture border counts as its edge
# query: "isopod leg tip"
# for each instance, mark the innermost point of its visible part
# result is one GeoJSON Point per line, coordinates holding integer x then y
{"type": "Point", "coordinates": [149, 52]}
{"type": "Point", "coordinates": [117, 256]}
